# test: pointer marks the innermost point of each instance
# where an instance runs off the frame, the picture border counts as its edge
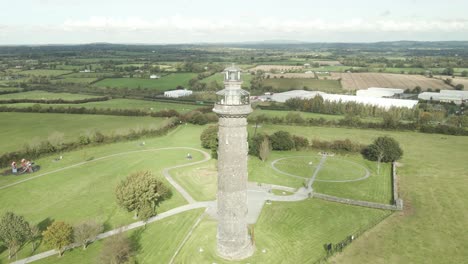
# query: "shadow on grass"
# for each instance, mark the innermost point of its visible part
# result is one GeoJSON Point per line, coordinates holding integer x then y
{"type": "Point", "coordinates": [44, 224]}
{"type": "Point", "coordinates": [135, 240]}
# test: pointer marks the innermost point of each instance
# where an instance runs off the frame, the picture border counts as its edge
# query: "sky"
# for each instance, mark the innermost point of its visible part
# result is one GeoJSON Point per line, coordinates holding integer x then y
{"type": "Point", "coordinates": [212, 21]}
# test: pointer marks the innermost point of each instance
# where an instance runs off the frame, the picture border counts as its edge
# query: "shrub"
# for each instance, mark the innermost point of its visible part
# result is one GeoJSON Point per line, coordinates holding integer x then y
{"type": "Point", "coordinates": [281, 140]}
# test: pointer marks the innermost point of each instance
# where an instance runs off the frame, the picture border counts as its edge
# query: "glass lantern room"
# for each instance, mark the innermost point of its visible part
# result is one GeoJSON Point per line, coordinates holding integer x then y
{"type": "Point", "coordinates": [233, 97]}
{"type": "Point", "coordinates": [232, 94]}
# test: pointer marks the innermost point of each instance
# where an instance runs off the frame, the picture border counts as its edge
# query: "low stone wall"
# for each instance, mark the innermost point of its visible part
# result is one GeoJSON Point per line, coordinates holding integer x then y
{"type": "Point", "coordinates": [355, 202]}
{"type": "Point", "coordinates": [396, 198]}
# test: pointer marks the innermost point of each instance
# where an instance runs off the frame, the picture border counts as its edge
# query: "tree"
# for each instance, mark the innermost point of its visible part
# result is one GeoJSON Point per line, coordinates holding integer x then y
{"type": "Point", "coordinates": [14, 232]}
{"type": "Point", "coordinates": [265, 149]}
{"type": "Point", "coordinates": [85, 232]}
{"type": "Point", "coordinates": [384, 149]}
{"type": "Point", "coordinates": [281, 140]}
{"type": "Point", "coordinates": [464, 74]}
{"type": "Point", "coordinates": [140, 189]}
{"type": "Point", "coordinates": [116, 250]}
{"type": "Point", "coordinates": [459, 87]}
{"type": "Point", "coordinates": [58, 235]}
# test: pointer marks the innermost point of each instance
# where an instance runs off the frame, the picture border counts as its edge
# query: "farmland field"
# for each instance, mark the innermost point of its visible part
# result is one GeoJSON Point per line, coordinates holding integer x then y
{"type": "Point", "coordinates": [456, 80]}
{"type": "Point", "coordinates": [19, 129]}
{"type": "Point", "coordinates": [268, 68]}
{"type": "Point", "coordinates": [282, 85]}
{"type": "Point", "coordinates": [290, 75]}
{"type": "Point", "coordinates": [355, 81]}
{"type": "Point", "coordinates": [143, 105]}
{"type": "Point", "coordinates": [167, 82]}
{"type": "Point", "coordinates": [75, 80]}
{"type": "Point", "coordinates": [42, 95]}
{"type": "Point", "coordinates": [48, 73]}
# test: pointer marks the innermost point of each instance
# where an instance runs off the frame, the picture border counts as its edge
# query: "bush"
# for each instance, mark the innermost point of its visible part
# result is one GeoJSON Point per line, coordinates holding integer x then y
{"type": "Point", "coordinates": [300, 142]}
{"type": "Point", "coordinates": [209, 140]}
{"type": "Point", "coordinates": [385, 149]}
{"type": "Point", "coordinates": [281, 140]}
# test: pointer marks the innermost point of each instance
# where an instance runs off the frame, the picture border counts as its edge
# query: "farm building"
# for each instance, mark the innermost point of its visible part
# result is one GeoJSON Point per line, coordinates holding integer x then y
{"type": "Point", "coordinates": [154, 76]}
{"type": "Point", "coordinates": [177, 93]}
{"type": "Point", "coordinates": [380, 102]}
{"type": "Point", "coordinates": [446, 96]}
{"type": "Point", "coordinates": [379, 92]}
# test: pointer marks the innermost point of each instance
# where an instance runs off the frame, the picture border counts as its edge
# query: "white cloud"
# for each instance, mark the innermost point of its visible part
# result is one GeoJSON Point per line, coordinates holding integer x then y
{"type": "Point", "coordinates": [180, 23]}
{"type": "Point", "coordinates": [179, 29]}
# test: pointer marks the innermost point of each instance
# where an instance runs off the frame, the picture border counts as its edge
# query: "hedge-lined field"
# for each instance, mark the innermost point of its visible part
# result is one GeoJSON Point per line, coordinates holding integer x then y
{"type": "Point", "coordinates": [168, 82]}
{"type": "Point", "coordinates": [19, 129]}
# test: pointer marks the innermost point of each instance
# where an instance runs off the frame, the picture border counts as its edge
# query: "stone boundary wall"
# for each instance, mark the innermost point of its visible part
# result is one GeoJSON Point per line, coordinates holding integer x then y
{"type": "Point", "coordinates": [396, 198]}
{"type": "Point", "coordinates": [355, 202]}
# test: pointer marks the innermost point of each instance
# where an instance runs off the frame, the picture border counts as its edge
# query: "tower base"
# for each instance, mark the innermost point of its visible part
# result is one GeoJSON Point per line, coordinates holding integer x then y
{"type": "Point", "coordinates": [235, 253]}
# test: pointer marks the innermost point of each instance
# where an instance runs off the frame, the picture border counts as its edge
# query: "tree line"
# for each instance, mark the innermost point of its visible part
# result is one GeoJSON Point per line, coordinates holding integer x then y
{"type": "Point", "coordinates": [55, 101]}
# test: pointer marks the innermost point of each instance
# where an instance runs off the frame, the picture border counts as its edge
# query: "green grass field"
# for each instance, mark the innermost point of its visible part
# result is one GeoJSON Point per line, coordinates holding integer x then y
{"type": "Point", "coordinates": [432, 180]}
{"type": "Point", "coordinates": [286, 232]}
{"type": "Point", "coordinates": [286, 84]}
{"type": "Point", "coordinates": [278, 113]}
{"type": "Point", "coordinates": [87, 191]}
{"type": "Point", "coordinates": [167, 82]}
{"type": "Point", "coordinates": [75, 80]}
{"type": "Point", "coordinates": [151, 242]}
{"type": "Point", "coordinates": [376, 188]}
{"type": "Point", "coordinates": [143, 105]}
{"type": "Point", "coordinates": [432, 184]}
{"type": "Point", "coordinates": [199, 180]}
{"type": "Point", "coordinates": [42, 95]}
{"type": "Point", "coordinates": [19, 129]}
{"type": "Point", "coordinates": [48, 73]}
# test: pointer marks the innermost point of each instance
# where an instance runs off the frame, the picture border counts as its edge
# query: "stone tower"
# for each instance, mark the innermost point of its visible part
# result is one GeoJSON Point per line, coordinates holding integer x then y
{"type": "Point", "coordinates": [232, 108]}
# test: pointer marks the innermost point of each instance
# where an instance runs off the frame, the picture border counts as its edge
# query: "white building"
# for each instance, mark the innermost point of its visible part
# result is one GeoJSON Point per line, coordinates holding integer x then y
{"type": "Point", "coordinates": [445, 96]}
{"type": "Point", "coordinates": [379, 92]}
{"type": "Point", "coordinates": [154, 76]}
{"type": "Point", "coordinates": [373, 101]}
{"type": "Point", "coordinates": [177, 93]}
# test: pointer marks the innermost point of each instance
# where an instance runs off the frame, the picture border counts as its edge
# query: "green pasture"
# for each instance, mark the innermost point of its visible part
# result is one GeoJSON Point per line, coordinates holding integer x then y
{"type": "Point", "coordinates": [143, 105]}
{"type": "Point", "coordinates": [47, 73]}
{"type": "Point", "coordinates": [88, 75]}
{"type": "Point", "coordinates": [74, 80]}
{"type": "Point", "coordinates": [286, 84]}
{"type": "Point", "coordinates": [19, 129]}
{"type": "Point", "coordinates": [152, 243]}
{"type": "Point", "coordinates": [167, 82]}
{"type": "Point", "coordinates": [10, 89]}
{"type": "Point", "coordinates": [42, 95]}
{"type": "Point", "coordinates": [279, 113]}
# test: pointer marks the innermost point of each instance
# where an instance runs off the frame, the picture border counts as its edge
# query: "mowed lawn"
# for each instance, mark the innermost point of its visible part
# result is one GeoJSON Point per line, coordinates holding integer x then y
{"type": "Point", "coordinates": [42, 95]}
{"type": "Point", "coordinates": [143, 105]}
{"type": "Point", "coordinates": [19, 129]}
{"type": "Point", "coordinates": [167, 82]}
{"type": "Point", "coordinates": [286, 232]}
{"type": "Point", "coordinates": [86, 191]}
{"type": "Point", "coordinates": [433, 179]}
{"type": "Point", "coordinates": [286, 84]}
{"type": "Point", "coordinates": [156, 243]}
